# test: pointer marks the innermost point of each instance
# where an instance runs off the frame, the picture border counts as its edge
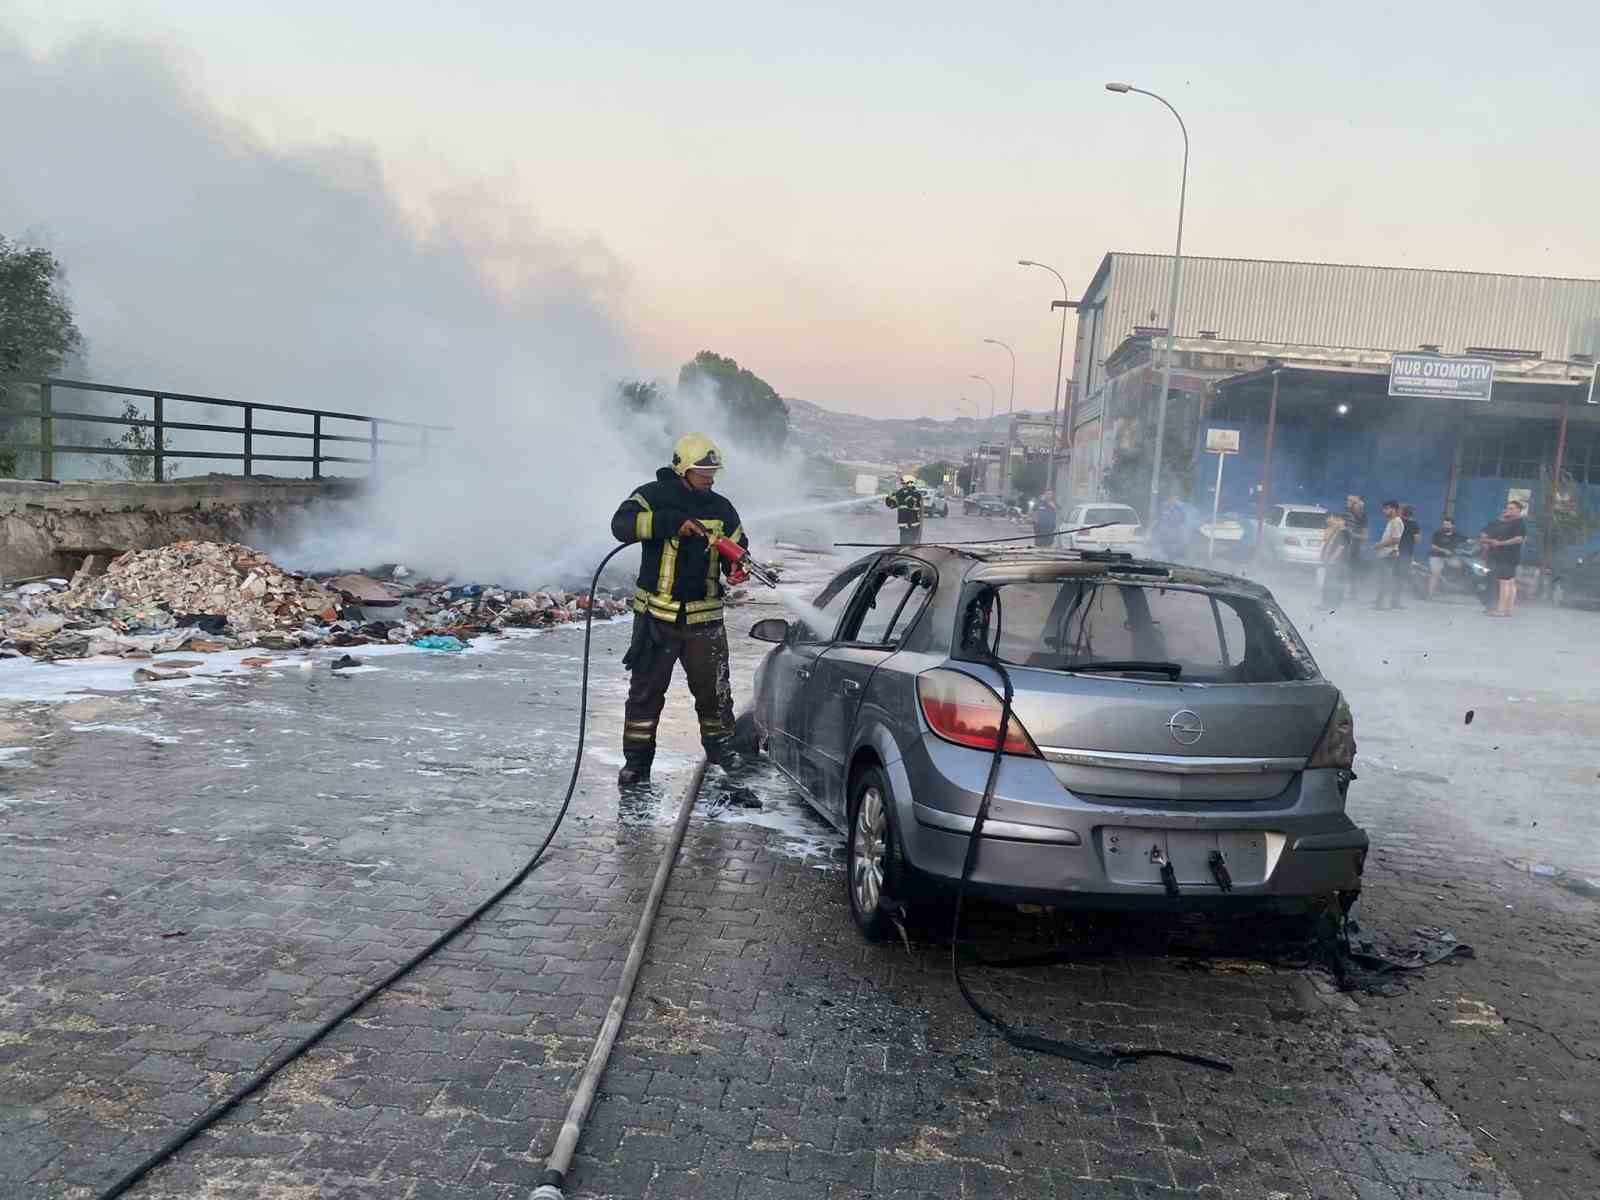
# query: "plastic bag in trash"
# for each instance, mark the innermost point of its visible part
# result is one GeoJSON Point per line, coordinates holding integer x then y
{"type": "Point", "coordinates": [438, 641]}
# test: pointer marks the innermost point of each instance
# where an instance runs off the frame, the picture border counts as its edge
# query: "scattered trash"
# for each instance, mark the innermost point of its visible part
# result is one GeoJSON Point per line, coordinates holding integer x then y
{"type": "Point", "coordinates": [176, 933]}
{"type": "Point", "coordinates": [256, 662]}
{"type": "Point", "coordinates": [211, 596]}
{"type": "Point", "coordinates": [1471, 712]}
{"type": "Point", "coordinates": [1487, 1134]}
{"type": "Point", "coordinates": [1571, 1118]}
{"type": "Point", "coordinates": [146, 675]}
{"type": "Point", "coordinates": [1579, 885]}
{"type": "Point", "coordinates": [176, 664]}
{"type": "Point", "coordinates": [436, 641]}
{"type": "Point", "coordinates": [1476, 1013]}
{"type": "Point", "coordinates": [1435, 945]}
{"type": "Point", "coordinates": [345, 662]}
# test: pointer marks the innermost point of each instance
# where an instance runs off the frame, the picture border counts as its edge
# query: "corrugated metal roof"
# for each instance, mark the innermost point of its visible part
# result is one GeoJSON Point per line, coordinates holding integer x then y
{"type": "Point", "coordinates": [1328, 304]}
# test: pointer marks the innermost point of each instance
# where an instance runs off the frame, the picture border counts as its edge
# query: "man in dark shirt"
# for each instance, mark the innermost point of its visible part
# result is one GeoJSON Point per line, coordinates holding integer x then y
{"type": "Point", "coordinates": [1442, 554]}
{"type": "Point", "coordinates": [1355, 523]}
{"type": "Point", "coordinates": [1503, 539]}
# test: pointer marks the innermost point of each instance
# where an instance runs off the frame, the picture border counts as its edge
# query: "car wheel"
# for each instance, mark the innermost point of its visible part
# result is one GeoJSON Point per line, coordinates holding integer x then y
{"type": "Point", "coordinates": [873, 866]}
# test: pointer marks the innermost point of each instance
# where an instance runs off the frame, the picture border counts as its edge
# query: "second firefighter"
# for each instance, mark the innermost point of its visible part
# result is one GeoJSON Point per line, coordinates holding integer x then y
{"type": "Point", "coordinates": [907, 503]}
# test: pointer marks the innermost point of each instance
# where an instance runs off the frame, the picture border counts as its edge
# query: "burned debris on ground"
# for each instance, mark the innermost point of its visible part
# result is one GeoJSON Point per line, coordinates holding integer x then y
{"type": "Point", "coordinates": [208, 596]}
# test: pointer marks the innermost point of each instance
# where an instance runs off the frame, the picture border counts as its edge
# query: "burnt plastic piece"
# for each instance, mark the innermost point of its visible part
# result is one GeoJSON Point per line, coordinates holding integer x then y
{"type": "Point", "coordinates": [1219, 870]}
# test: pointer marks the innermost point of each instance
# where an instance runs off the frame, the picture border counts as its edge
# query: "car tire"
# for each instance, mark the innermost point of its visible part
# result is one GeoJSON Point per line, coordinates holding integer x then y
{"type": "Point", "coordinates": [874, 867]}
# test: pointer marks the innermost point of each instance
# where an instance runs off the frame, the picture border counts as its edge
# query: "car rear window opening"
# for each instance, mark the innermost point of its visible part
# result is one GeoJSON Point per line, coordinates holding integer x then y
{"type": "Point", "coordinates": [1135, 630]}
{"type": "Point", "coordinates": [1305, 520]}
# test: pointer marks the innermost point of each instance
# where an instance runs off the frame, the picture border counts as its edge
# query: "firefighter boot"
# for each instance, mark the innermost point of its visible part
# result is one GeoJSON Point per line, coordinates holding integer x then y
{"type": "Point", "coordinates": [635, 771]}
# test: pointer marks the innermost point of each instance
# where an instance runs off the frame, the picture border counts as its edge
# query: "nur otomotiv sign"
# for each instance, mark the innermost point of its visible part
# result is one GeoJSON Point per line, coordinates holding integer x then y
{"type": "Point", "coordinates": [1434, 375]}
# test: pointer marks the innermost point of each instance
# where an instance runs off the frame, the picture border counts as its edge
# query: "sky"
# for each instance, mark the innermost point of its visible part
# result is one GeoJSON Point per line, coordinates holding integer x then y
{"type": "Point", "coordinates": [836, 195]}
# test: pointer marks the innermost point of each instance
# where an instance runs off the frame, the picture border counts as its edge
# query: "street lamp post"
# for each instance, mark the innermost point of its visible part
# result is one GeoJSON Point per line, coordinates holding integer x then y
{"type": "Point", "coordinates": [1172, 301]}
{"type": "Point", "coordinates": [992, 395]}
{"type": "Point", "coordinates": [1061, 349]}
{"type": "Point", "coordinates": [1011, 402]}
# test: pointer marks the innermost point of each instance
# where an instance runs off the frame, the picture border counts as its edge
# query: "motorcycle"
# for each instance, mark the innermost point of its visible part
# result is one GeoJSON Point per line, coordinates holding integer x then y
{"type": "Point", "coordinates": [1466, 573]}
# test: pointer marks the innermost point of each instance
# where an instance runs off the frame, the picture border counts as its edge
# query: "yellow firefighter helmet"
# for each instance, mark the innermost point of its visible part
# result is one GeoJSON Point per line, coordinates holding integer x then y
{"type": "Point", "coordinates": [908, 479]}
{"type": "Point", "coordinates": [696, 452]}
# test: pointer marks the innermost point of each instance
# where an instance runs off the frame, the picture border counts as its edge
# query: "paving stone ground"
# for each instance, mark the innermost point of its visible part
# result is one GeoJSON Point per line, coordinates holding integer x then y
{"type": "Point", "coordinates": [176, 912]}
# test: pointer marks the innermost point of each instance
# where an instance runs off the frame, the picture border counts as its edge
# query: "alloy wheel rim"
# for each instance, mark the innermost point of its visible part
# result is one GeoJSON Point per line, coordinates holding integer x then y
{"type": "Point", "coordinates": [866, 867]}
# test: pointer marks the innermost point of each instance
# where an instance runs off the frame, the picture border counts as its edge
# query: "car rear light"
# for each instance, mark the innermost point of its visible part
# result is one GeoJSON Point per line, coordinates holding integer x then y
{"type": "Point", "coordinates": [966, 711]}
{"type": "Point", "coordinates": [1337, 746]}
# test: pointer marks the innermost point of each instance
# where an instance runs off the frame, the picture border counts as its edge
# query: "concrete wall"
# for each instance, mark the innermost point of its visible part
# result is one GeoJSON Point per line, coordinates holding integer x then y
{"type": "Point", "coordinates": [47, 528]}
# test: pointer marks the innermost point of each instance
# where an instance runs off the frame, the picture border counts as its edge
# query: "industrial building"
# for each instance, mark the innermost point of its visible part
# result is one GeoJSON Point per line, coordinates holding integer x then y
{"type": "Point", "coordinates": [1297, 358]}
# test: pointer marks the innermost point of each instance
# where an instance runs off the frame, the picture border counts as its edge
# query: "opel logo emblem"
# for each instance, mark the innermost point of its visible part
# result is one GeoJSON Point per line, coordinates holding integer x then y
{"type": "Point", "coordinates": [1186, 727]}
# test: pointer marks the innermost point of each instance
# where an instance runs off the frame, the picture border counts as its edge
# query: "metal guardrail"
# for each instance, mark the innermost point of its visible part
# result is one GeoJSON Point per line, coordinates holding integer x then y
{"type": "Point", "coordinates": [158, 452]}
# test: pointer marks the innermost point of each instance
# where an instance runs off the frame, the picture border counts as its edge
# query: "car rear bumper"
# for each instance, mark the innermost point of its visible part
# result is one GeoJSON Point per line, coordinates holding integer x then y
{"type": "Point", "coordinates": [1309, 555]}
{"type": "Point", "coordinates": [1042, 842]}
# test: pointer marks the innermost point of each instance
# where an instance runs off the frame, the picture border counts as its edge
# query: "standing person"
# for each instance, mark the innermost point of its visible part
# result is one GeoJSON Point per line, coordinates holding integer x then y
{"type": "Point", "coordinates": [1172, 529]}
{"type": "Point", "coordinates": [1408, 544]}
{"type": "Point", "coordinates": [1355, 523]}
{"type": "Point", "coordinates": [1045, 520]}
{"type": "Point", "coordinates": [907, 503]}
{"type": "Point", "coordinates": [1333, 576]}
{"type": "Point", "coordinates": [1442, 553]}
{"type": "Point", "coordinates": [1386, 556]}
{"type": "Point", "coordinates": [677, 604]}
{"type": "Point", "coordinates": [1504, 539]}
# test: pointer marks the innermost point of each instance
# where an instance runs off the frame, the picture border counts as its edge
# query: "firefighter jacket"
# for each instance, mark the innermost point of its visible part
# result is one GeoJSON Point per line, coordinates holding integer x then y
{"type": "Point", "coordinates": [907, 503]}
{"type": "Point", "coordinates": [680, 579]}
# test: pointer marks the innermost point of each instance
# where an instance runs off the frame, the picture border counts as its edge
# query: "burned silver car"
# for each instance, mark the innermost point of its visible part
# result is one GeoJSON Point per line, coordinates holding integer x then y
{"type": "Point", "coordinates": [1172, 740]}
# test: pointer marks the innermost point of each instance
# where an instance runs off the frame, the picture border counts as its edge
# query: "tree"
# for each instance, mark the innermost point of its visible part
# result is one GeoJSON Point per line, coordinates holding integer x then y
{"type": "Point", "coordinates": [933, 473]}
{"type": "Point", "coordinates": [755, 412]}
{"type": "Point", "coordinates": [37, 332]}
{"type": "Point", "coordinates": [140, 466]}
{"type": "Point", "coordinates": [638, 394]}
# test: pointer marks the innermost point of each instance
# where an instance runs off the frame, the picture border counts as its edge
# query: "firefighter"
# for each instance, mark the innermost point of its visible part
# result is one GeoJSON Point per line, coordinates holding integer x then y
{"type": "Point", "coordinates": [907, 502]}
{"type": "Point", "coordinates": [677, 604]}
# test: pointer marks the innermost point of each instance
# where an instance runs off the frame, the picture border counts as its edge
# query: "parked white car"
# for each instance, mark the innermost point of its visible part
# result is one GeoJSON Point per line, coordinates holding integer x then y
{"type": "Point", "coordinates": [1122, 535]}
{"type": "Point", "coordinates": [1292, 533]}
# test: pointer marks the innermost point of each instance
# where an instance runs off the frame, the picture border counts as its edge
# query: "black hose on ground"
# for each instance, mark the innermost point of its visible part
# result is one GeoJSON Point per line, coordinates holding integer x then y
{"type": "Point", "coordinates": [1093, 1056]}
{"type": "Point", "coordinates": [221, 1109]}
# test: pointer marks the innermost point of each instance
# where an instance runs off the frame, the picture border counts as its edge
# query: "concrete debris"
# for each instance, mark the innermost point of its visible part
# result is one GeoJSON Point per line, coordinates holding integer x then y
{"type": "Point", "coordinates": [204, 597]}
{"type": "Point", "coordinates": [146, 675]}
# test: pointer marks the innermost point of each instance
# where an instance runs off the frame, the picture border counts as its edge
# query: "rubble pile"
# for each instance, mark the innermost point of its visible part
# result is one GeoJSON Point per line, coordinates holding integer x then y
{"type": "Point", "coordinates": [208, 596]}
{"type": "Point", "coordinates": [226, 580]}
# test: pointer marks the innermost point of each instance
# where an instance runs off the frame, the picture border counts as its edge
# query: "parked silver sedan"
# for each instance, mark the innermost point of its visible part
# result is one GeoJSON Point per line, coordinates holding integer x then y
{"type": "Point", "coordinates": [1172, 740]}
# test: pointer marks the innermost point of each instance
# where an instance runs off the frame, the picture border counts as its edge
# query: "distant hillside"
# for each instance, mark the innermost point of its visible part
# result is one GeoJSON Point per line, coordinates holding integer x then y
{"type": "Point", "coordinates": [847, 437]}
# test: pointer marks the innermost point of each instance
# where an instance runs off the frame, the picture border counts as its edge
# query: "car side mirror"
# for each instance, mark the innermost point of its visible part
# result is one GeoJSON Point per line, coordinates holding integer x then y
{"type": "Point", "coordinates": [772, 629]}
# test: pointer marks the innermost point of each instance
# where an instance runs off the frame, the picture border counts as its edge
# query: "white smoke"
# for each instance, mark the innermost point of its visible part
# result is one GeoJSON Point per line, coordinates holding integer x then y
{"type": "Point", "coordinates": [201, 259]}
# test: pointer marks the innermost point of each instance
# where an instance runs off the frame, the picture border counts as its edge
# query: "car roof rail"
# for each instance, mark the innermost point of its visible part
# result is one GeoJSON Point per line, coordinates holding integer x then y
{"type": "Point", "coordinates": [1105, 556]}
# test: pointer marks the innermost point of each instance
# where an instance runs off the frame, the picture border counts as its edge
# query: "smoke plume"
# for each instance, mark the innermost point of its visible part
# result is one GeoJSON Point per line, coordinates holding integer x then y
{"type": "Point", "coordinates": [201, 259]}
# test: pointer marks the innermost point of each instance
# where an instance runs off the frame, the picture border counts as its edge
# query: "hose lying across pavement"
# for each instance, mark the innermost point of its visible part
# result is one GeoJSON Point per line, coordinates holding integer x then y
{"type": "Point", "coordinates": [221, 1109]}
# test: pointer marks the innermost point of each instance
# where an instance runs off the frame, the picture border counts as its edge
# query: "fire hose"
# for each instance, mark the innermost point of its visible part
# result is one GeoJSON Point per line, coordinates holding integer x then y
{"type": "Point", "coordinates": [550, 1188]}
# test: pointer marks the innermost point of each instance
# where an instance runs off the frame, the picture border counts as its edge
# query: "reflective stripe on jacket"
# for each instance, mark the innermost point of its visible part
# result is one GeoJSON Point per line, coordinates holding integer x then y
{"type": "Point", "coordinates": [680, 579]}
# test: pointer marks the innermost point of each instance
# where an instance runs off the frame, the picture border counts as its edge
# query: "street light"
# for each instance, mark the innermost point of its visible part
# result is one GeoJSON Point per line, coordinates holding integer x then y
{"type": "Point", "coordinates": [990, 382]}
{"type": "Point", "coordinates": [1005, 475]}
{"type": "Point", "coordinates": [1061, 349]}
{"type": "Point", "coordinates": [1172, 302]}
